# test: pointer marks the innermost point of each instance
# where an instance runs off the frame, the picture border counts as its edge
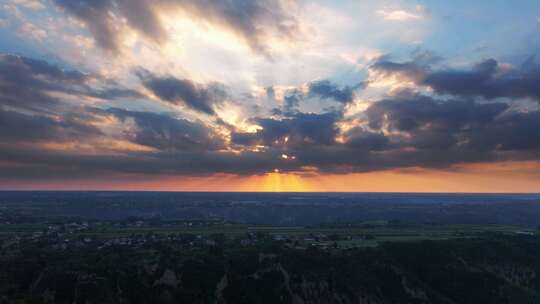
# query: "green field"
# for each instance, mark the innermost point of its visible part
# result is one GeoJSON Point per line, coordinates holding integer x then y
{"type": "Point", "coordinates": [358, 235]}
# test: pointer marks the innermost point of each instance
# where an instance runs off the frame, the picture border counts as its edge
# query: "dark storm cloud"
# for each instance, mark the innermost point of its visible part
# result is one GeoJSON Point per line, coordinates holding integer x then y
{"type": "Point", "coordinates": [25, 83]}
{"type": "Point", "coordinates": [187, 148]}
{"type": "Point", "coordinates": [167, 133]}
{"type": "Point", "coordinates": [183, 91]}
{"type": "Point", "coordinates": [470, 130]}
{"type": "Point", "coordinates": [291, 102]}
{"type": "Point", "coordinates": [252, 20]}
{"type": "Point", "coordinates": [436, 125]}
{"type": "Point", "coordinates": [518, 131]}
{"type": "Point", "coordinates": [322, 89]}
{"type": "Point", "coordinates": [142, 16]}
{"type": "Point", "coordinates": [96, 17]}
{"type": "Point", "coordinates": [300, 129]}
{"type": "Point", "coordinates": [426, 133]}
{"type": "Point", "coordinates": [410, 69]}
{"type": "Point", "coordinates": [325, 89]}
{"type": "Point", "coordinates": [104, 26]}
{"type": "Point", "coordinates": [419, 112]}
{"type": "Point", "coordinates": [360, 138]}
{"type": "Point", "coordinates": [17, 127]}
{"type": "Point", "coordinates": [20, 67]}
{"type": "Point", "coordinates": [63, 164]}
{"type": "Point", "coordinates": [488, 79]}
{"type": "Point", "coordinates": [430, 133]}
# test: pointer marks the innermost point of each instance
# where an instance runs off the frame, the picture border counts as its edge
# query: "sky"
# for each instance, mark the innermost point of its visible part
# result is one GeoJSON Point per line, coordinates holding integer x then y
{"type": "Point", "coordinates": [270, 95]}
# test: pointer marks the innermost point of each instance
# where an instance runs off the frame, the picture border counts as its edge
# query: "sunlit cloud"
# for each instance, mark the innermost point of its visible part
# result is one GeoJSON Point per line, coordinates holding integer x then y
{"type": "Point", "coordinates": [418, 13]}
{"type": "Point", "coordinates": [4, 23]}
{"type": "Point", "coordinates": [32, 4]}
{"type": "Point", "coordinates": [29, 30]}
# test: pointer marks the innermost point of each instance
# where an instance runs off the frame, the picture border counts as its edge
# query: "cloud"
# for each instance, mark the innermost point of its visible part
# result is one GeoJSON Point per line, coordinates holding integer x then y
{"type": "Point", "coordinates": [113, 92]}
{"type": "Point", "coordinates": [366, 140]}
{"type": "Point", "coordinates": [321, 89]}
{"type": "Point", "coordinates": [25, 82]}
{"type": "Point", "coordinates": [30, 84]}
{"type": "Point", "coordinates": [324, 89]}
{"type": "Point", "coordinates": [298, 130]}
{"type": "Point", "coordinates": [4, 23]}
{"type": "Point", "coordinates": [461, 126]}
{"type": "Point", "coordinates": [31, 4]}
{"type": "Point", "coordinates": [421, 112]}
{"type": "Point", "coordinates": [488, 79]}
{"type": "Point", "coordinates": [30, 30]}
{"type": "Point", "coordinates": [167, 133]}
{"type": "Point", "coordinates": [430, 124]}
{"type": "Point", "coordinates": [420, 132]}
{"type": "Point", "coordinates": [103, 18]}
{"type": "Point", "coordinates": [95, 15]}
{"type": "Point", "coordinates": [254, 21]}
{"type": "Point", "coordinates": [39, 133]}
{"type": "Point", "coordinates": [142, 16]}
{"type": "Point", "coordinates": [291, 102]}
{"type": "Point", "coordinates": [517, 131]}
{"type": "Point", "coordinates": [35, 163]}
{"type": "Point", "coordinates": [17, 127]}
{"type": "Point", "coordinates": [420, 12]}
{"type": "Point", "coordinates": [202, 98]}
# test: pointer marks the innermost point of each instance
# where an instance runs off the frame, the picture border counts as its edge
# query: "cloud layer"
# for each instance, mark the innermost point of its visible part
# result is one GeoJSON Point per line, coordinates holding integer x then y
{"type": "Point", "coordinates": [400, 131]}
{"type": "Point", "coordinates": [253, 21]}
{"type": "Point", "coordinates": [183, 91]}
{"type": "Point", "coordinates": [487, 79]}
{"type": "Point", "coordinates": [172, 88]}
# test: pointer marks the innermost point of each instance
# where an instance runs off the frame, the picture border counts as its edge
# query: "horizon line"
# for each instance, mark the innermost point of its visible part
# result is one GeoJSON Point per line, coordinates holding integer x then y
{"type": "Point", "coordinates": [267, 192]}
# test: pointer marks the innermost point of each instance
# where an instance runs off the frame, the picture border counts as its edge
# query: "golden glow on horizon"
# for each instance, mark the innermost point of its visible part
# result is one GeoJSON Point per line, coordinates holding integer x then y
{"type": "Point", "coordinates": [275, 182]}
{"type": "Point", "coordinates": [501, 177]}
